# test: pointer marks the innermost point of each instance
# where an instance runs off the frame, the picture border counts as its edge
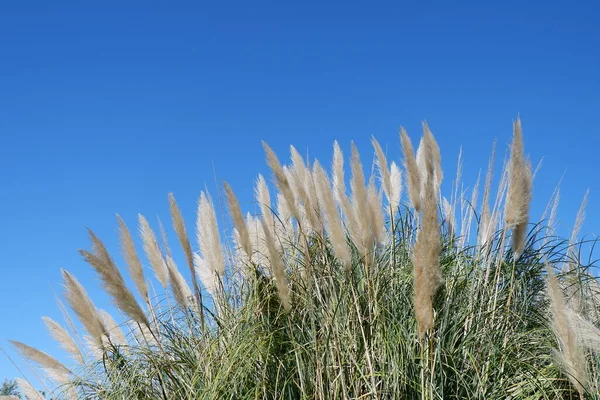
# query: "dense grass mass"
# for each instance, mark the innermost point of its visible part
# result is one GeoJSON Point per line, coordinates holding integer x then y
{"type": "Point", "coordinates": [332, 293]}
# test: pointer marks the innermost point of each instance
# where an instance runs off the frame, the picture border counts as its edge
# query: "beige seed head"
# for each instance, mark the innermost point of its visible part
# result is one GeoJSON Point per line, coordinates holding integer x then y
{"type": "Point", "coordinates": [571, 355]}
{"type": "Point", "coordinates": [384, 172]}
{"type": "Point", "coordinates": [516, 212]}
{"type": "Point", "coordinates": [179, 226]}
{"type": "Point", "coordinates": [277, 269]}
{"type": "Point", "coordinates": [412, 170]}
{"type": "Point", "coordinates": [207, 231]}
{"type": "Point", "coordinates": [131, 258]}
{"type": "Point", "coordinates": [263, 197]}
{"type": "Point", "coordinates": [333, 220]}
{"type": "Point", "coordinates": [181, 290]}
{"type": "Point", "coordinates": [52, 367]}
{"type": "Point", "coordinates": [112, 280]}
{"type": "Point", "coordinates": [84, 308]}
{"type": "Point", "coordinates": [396, 187]}
{"type": "Point", "coordinates": [153, 252]}
{"type": "Point", "coordinates": [28, 390]}
{"type": "Point", "coordinates": [281, 181]}
{"type": "Point", "coordinates": [238, 220]}
{"type": "Point", "coordinates": [63, 338]}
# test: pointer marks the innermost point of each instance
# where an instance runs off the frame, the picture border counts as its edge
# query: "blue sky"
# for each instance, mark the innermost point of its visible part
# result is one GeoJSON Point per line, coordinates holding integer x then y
{"type": "Point", "coordinates": [106, 107]}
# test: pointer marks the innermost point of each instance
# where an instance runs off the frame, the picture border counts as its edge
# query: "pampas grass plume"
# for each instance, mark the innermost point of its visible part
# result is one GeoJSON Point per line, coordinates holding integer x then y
{"type": "Point", "coordinates": [63, 338]}
{"type": "Point", "coordinates": [84, 308]}
{"type": "Point", "coordinates": [516, 213]}
{"type": "Point", "coordinates": [153, 252]}
{"type": "Point", "coordinates": [112, 280]}
{"type": "Point", "coordinates": [412, 171]}
{"type": "Point", "coordinates": [131, 258]}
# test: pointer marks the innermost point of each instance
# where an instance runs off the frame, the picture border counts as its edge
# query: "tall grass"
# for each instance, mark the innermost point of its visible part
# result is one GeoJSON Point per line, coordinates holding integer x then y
{"type": "Point", "coordinates": [332, 293]}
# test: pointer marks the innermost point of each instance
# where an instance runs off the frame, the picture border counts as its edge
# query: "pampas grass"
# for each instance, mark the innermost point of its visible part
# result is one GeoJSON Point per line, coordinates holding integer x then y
{"type": "Point", "coordinates": [277, 269]}
{"type": "Point", "coordinates": [133, 261]}
{"type": "Point", "coordinates": [427, 248]}
{"type": "Point", "coordinates": [112, 280]}
{"type": "Point", "coordinates": [570, 356]}
{"type": "Point", "coordinates": [83, 307]}
{"type": "Point", "coordinates": [281, 181]}
{"type": "Point", "coordinates": [333, 219]}
{"type": "Point", "coordinates": [207, 232]}
{"type": "Point", "coordinates": [28, 391]}
{"type": "Point", "coordinates": [516, 212]}
{"type": "Point", "coordinates": [332, 292]}
{"type": "Point", "coordinates": [153, 252]}
{"type": "Point", "coordinates": [179, 226]}
{"type": "Point", "coordinates": [412, 171]}
{"type": "Point", "coordinates": [238, 220]}
{"type": "Point", "coordinates": [53, 368]}
{"type": "Point", "coordinates": [181, 290]}
{"type": "Point", "coordinates": [63, 338]}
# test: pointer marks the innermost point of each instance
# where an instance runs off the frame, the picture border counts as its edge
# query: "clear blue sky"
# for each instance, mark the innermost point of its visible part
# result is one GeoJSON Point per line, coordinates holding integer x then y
{"type": "Point", "coordinates": [106, 107]}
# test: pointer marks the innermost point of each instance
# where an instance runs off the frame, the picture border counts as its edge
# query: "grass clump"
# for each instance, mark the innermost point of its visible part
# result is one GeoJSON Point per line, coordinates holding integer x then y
{"type": "Point", "coordinates": [332, 293]}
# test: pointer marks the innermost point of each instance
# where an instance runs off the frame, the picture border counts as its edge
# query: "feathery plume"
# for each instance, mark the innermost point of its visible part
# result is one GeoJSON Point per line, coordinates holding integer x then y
{"type": "Point", "coordinates": [257, 236]}
{"type": "Point", "coordinates": [117, 337]}
{"type": "Point", "coordinates": [384, 172]}
{"type": "Point", "coordinates": [84, 308]}
{"type": "Point", "coordinates": [64, 339]}
{"type": "Point", "coordinates": [395, 187]}
{"type": "Point", "coordinates": [578, 223]}
{"type": "Point", "coordinates": [516, 212]}
{"type": "Point", "coordinates": [339, 193]}
{"type": "Point", "coordinates": [426, 260]}
{"type": "Point", "coordinates": [438, 174]}
{"type": "Point", "coordinates": [303, 184]}
{"type": "Point", "coordinates": [304, 221]}
{"type": "Point", "coordinates": [152, 250]}
{"type": "Point", "coordinates": [587, 333]}
{"type": "Point", "coordinates": [571, 355]}
{"type": "Point", "coordinates": [207, 232]}
{"type": "Point", "coordinates": [332, 217]}
{"type": "Point", "coordinates": [262, 196]}
{"type": "Point", "coordinates": [412, 171]}
{"type": "Point", "coordinates": [285, 216]}
{"type": "Point", "coordinates": [132, 259]}
{"type": "Point", "coordinates": [180, 288]}
{"type": "Point", "coordinates": [179, 226]}
{"type": "Point", "coordinates": [281, 180]}
{"type": "Point", "coordinates": [28, 390]}
{"type": "Point", "coordinates": [365, 236]}
{"type": "Point", "coordinates": [376, 216]}
{"type": "Point", "coordinates": [485, 230]}
{"type": "Point", "coordinates": [426, 252]}
{"type": "Point", "coordinates": [112, 280]}
{"type": "Point", "coordinates": [238, 220]}
{"type": "Point", "coordinates": [94, 349]}
{"type": "Point", "coordinates": [277, 268]}
{"type": "Point", "coordinates": [52, 367]}
{"type": "Point", "coordinates": [339, 187]}
{"type": "Point", "coordinates": [209, 278]}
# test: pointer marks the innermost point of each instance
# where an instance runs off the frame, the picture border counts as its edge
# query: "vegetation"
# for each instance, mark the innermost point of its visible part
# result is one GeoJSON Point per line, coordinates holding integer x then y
{"type": "Point", "coordinates": [332, 293]}
{"type": "Point", "coordinates": [10, 388]}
